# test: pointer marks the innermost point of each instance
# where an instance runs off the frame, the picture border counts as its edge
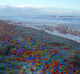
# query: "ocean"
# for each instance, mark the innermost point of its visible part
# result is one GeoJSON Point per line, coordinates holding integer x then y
{"type": "Point", "coordinates": [64, 26]}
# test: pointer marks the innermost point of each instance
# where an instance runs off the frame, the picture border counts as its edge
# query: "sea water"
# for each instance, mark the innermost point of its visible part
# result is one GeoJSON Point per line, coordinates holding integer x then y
{"type": "Point", "coordinates": [68, 27]}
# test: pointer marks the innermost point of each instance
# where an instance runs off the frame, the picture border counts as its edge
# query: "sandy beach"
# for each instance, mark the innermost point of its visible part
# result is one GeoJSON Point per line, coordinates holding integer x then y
{"type": "Point", "coordinates": [25, 50]}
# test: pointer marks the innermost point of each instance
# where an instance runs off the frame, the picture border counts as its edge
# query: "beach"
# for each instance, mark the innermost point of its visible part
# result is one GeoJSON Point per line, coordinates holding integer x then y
{"type": "Point", "coordinates": [25, 50]}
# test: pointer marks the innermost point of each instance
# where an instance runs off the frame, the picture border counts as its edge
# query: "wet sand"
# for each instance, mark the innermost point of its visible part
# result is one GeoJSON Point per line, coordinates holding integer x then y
{"type": "Point", "coordinates": [30, 41]}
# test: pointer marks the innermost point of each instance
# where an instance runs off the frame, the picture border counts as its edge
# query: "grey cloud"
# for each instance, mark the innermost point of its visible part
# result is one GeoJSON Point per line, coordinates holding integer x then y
{"type": "Point", "coordinates": [35, 10]}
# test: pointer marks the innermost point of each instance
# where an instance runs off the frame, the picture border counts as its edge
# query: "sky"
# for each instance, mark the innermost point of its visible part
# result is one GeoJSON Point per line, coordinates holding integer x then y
{"type": "Point", "coordinates": [62, 6]}
{"type": "Point", "coordinates": [71, 4]}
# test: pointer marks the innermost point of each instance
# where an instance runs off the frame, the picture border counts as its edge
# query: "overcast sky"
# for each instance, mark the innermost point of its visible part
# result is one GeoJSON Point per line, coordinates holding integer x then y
{"type": "Point", "coordinates": [50, 7]}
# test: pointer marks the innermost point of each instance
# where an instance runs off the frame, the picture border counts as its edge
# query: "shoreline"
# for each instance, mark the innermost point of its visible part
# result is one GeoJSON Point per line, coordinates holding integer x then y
{"type": "Point", "coordinates": [57, 35]}
{"type": "Point", "coordinates": [69, 36]}
{"type": "Point", "coordinates": [43, 45]}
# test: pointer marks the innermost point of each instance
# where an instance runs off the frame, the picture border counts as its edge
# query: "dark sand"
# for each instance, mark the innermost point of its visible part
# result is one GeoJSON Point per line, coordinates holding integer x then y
{"type": "Point", "coordinates": [63, 46]}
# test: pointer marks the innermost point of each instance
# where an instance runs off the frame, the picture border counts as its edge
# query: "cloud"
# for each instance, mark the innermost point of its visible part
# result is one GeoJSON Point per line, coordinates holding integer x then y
{"type": "Point", "coordinates": [6, 10]}
{"type": "Point", "coordinates": [28, 6]}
